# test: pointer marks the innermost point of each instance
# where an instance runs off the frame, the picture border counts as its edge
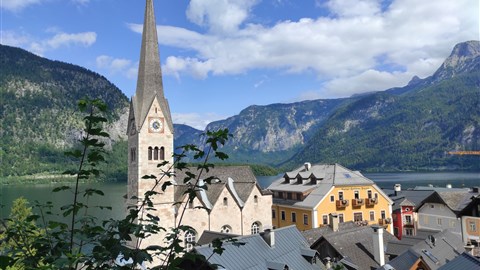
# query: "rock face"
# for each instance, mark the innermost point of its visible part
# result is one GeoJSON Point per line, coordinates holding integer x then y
{"type": "Point", "coordinates": [464, 58]}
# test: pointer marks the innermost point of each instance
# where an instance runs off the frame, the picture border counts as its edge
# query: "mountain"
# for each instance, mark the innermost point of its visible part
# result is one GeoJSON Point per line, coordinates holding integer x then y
{"type": "Point", "coordinates": [267, 134]}
{"type": "Point", "coordinates": [38, 110]}
{"type": "Point", "coordinates": [410, 128]}
{"type": "Point", "coordinates": [404, 128]}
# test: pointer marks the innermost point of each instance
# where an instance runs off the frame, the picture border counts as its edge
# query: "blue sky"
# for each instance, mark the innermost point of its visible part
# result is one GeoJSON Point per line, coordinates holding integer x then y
{"type": "Point", "coordinates": [220, 56]}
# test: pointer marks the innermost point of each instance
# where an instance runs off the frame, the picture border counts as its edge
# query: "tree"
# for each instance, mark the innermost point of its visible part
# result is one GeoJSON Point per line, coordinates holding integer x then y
{"type": "Point", "coordinates": [87, 243]}
{"type": "Point", "coordinates": [18, 239]}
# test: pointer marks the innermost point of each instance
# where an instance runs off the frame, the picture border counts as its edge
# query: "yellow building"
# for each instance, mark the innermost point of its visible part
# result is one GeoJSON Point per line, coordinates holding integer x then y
{"type": "Point", "coordinates": [306, 196]}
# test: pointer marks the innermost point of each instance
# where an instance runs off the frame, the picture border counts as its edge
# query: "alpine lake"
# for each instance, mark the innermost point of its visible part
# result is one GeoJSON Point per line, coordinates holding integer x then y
{"type": "Point", "coordinates": [114, 192]}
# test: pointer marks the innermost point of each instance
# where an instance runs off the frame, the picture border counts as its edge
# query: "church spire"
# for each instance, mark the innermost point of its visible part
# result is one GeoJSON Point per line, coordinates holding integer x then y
{"type": "Point", "coordinates": [149, 82]}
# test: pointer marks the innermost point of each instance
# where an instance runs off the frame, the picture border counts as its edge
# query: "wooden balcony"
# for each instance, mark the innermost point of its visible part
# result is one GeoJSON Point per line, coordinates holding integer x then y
{"type": "Point", "coordinates": [357, 202]}
{"type": "Point", "coordinates": [369, 202]}
{"type": "Point", "coordinates": [341, 203]}
{"type": "Point", "coordinates": [384, 222]}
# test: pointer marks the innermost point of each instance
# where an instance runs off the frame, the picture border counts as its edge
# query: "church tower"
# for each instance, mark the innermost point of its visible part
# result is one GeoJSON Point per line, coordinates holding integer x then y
{"type": "Point", "coordinates": [150, 127]}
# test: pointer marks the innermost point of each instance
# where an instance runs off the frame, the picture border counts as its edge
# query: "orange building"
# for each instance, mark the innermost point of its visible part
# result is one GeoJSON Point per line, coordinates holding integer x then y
{"type": "Point", "coordinates": [306, 196]}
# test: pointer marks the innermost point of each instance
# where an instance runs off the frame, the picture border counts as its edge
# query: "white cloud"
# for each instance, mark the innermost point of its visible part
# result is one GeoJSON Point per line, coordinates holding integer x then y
{"type": "Point", "coordinates": [17, 5]}
{"type": "Point", "coordinates": [11, 38]}
{"type": "Point", "coordinates": [64, 39]}
{"type": "Point", "coordinates": [117, 65]}
{"type": "Point", "coordinates": [346, 50]}
{"type": "Point", "coordinates": [219, 16]}
{"type": "Point", "coordinates": [196, 120]}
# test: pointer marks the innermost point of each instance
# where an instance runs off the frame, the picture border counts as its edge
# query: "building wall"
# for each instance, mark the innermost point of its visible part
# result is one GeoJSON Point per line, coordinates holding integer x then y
{"type": "Point", "coordinates": [328, 205]}
{"type": "Point", "coordinates": [259, 211]}
{"type": "Point", "coordinates": [470, 229]}
{"type": "Point", "coordinates": [277, 222]}
{"type": "Point", "coordinates": [229, 214]}
{"type": "Point", "coordinates": [436, 216]}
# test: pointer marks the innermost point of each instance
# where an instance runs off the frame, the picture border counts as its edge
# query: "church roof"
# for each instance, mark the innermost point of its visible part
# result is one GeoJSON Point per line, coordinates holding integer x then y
{"type": "Point", "coordinates": [149, 82]}
{"type": "Point", "coordinates": [244, 182]}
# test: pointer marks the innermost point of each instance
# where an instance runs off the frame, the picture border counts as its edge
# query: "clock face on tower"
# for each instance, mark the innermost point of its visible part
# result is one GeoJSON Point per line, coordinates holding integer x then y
{"type": "Point", "coordinates": [155, 124]}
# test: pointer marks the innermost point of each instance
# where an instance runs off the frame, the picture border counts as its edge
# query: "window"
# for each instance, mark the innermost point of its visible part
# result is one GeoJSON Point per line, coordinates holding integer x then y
{"type": "Point", "coordinates": [395, 231]}
{"type": "Point", "coordinates": [372, 215]}
{"type": "Point", "coordinates": [452, 223]}
{"type": "Point", "coordinates": [189, 240]}
{"type": "Point", "coordinates": [356, 194]}
{"type": "Point", "coordinates": [325, 219]}
{"type": "Point", "coordinates": [133, 154]}
{"type": "Point", "coordinates": [369, 194]}
{"type": "Point", "coordinates": [439, 221]}
{"type": "Point", "coordinates": [408, 219]}
{"type": "Point", "coordinates": [357, 216]}
{"type": "Point", "coordinates": [255, 228]}
{"type": "Point", "coordinates": [226, 229]}
{"type": "Point", "coordinates": [340, 218]}
{"type": "Point", "coordinates": [473, 226]}
{"type": "Point", "coordinates": [376, 195]}
{"type": "Point", "coordinates": [162, 153]}
{"type": "Point", "coordinates": [332, 198]}
{"type": "Point", "coordinates": [283, 215]}
{"type": "Point", "coordinates": [155, 153]}
{"type": "Point", "coordinates": [305, 219]}
{"type": "Point", "coordinates": [382, 214]}
{"type": "Point", "coordinates": [191, 204]}
{"type": "Point", "coordinates": [255, 199]}
{"type": "Point", "coordinates": [289, 195]}
{"type": "Point", "coordinates": [407, 209]}
{"type": "Point", "coordinates": [340, 195]}
{"type": "Point", "coordinates": [225, 201]}
{"type": "Point", "coordinates": [273, 213]}
{"type": "Point", "coordinates": [294, 217]}
{"type": "Point", "coordinates": [432, 206]}
{"type": "Point", "coordinates": [408, 231]}
{"type": "Point", "coordinates": [150, 149]}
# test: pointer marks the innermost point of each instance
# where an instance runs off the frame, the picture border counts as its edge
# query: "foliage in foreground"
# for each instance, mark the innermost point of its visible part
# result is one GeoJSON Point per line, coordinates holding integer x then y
{"type": "Point", "coordinates": [43, 240]}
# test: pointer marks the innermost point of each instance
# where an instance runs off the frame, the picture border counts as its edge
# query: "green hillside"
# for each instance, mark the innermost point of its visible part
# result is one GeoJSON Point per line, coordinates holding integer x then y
{"type": "Point", "coordinates": [38, 111]}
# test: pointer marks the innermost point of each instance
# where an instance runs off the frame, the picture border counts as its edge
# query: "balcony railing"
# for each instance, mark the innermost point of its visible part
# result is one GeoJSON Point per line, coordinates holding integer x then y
{"type": "Point", "coordinates": [371, 201]}
{"type": "Point", "coordinates": [357, 202]}
{"type": "Point", "coordinates": [342, 203]}
{"type": "Point", "coordinates": [384, 221]}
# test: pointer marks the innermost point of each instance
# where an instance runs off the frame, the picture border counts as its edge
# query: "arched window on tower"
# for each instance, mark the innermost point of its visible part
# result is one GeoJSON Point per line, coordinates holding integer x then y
{"type": "Point", "coordinates": [150, 153]}
{"type": "Point", "coordinates": [155, 153]}
{"type": "Point", "coordinates": [162, 153]}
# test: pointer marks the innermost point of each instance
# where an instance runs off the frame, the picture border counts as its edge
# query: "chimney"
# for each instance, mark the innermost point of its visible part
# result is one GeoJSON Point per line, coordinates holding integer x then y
{"type": "Point", "coordinates": [269, 237]}
{"type": "Point", "coordinates": [397, 188]}
{"type": "Point", "coordinates": [334, 222]}
{"type": "Point", "coordinates": [378, 251]}
{"type": "Point", "coordinates": [308, 166]}
{"type": "Point", "coordinates": [469, 248]}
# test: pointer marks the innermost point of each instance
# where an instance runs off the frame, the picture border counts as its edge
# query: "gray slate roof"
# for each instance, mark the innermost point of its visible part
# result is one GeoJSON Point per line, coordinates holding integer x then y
{"type": "Point", "coordinates": [313, 235]}
{"type": "Point", "coordinates": [400, 246]}
{"type": "Point", "coordinates": [244, 181]}
{"type": "Point", "coordinates": [416, 197]}
{"type": "Point", "coordinates": [257, 254]}
{"type": "Point", "coordinates": [447, 246]}
{"type": "Point", "coordinates": [463, 261]}
{"type": "Point", "coordinates": [207, 237]}
{"type": "Point", "coordinates": [357, 245]}
{"type": "Point", "coordinates": [322, 177]}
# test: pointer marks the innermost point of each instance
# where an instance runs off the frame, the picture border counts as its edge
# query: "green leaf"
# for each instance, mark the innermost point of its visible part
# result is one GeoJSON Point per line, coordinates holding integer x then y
{"type": "Point", "coordinates": [57, 189]}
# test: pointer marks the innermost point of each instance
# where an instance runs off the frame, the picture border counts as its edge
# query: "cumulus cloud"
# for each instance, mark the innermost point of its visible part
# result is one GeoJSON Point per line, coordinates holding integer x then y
{"type": "Point", "coordinates": [196, 120]}
{"type": "Point", "coordinates": [117, 66]}
{"type": "Point", "coordinates": [219, 16]}
{"type": "Point", "coordinates": [39, 47]}
{"type": "Point", "coordinates": [17, 5]}
{"type": "Point", "coordinates": [347, 50]}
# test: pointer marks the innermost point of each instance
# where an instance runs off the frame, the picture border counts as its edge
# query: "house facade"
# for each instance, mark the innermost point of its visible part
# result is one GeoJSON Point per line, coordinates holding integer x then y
{"type": "Point", "coordinates": [306, 196]}
{"type": "Point", "coordinates": [234, 202]}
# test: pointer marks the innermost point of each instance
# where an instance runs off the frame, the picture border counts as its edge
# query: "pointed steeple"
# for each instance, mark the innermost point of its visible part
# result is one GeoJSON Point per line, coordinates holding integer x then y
{"type": "Point", "coordinates": [149, 82]}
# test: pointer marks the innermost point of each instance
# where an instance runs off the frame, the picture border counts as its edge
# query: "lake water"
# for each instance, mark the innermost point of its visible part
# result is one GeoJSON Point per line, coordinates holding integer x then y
{"type": "Point", "coordinates": [114, 192]}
